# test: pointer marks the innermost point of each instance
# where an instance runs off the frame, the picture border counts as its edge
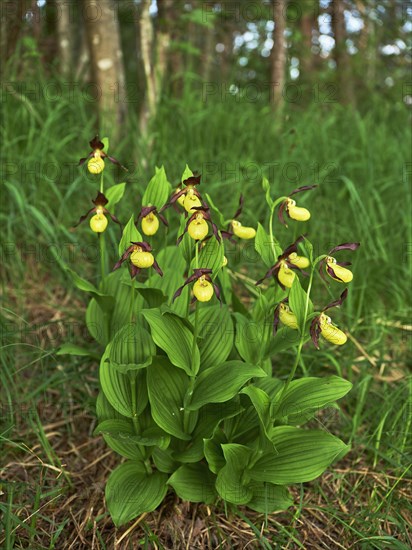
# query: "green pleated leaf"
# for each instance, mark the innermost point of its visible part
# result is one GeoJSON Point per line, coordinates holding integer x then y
{"type": "Point", "coordinates": [72, 349]}
{"type": "Point", "coordinates": [132, 348]}
{"type": "Point", "coordinates": [211, 256]}
{"type": "Point", "coordinates": [215, 335]}
{"type": "Point", "coordinates": [164, 461]}
{"type": "Point", "coordinates": [194, 483]}
{"type": "Point", "coordinates": [261, 402]}
{"type": "Point", "coordinates": [172, 336]}
{"type": "Point", "coordinates": [284, 339]}
{"type": "Point", "coordinates": [214, 452]}
{"type": "Point", "coordinates": [158, 190]}
{"type": "Point", "coordinates": [187, 173]}
{"type": "Point", "coordinates": [117, 387]}
{"type": "Point", "coordinates": [131, 491]}
{"type": "Point", "coordinates": [231, 483]}
{"type": "Point", "coordinates": [297, 301]}
{"type": "Point", "coordinates": [305, 397]}
{"type": "Point", "coordinates": [268, 498]}
{"type": "Point", "coordinates": [167, 387]}
{"type": "Point", "coordinates": [130, 234]}
{"type": "Point", "coordinates": [217, 215]}
{"type": "Point", "coordinates": [266, 189]}
{"type": "Point", "coordinates": [250, 337]}
{"type": "Point", "coordinates": [264, 248]}
{"type": "Point", "coordinates": [105, 302]}
{"type": "Point", "coordinates": [299, 455]}
{"type": "Point", "coordinates": [114, 194]}
{"type": "Point", "coordinates": [219, 384]}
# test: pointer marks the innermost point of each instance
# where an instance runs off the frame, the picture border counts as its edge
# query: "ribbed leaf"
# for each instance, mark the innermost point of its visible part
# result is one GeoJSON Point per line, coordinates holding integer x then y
{"type": "Point", "coordinates": [130, 491]}
{"type": "Point", "coordinates": [172, 336]}
{"type": "Point", "coordinates": [211, 256]}
{"type": "Point", "coordinates": [299, 456]}
{"type": "Point", "coordinates": [158, 190]}
{"type": "Point", "coordinates": [261, 403]}
{"type": "Point", "coordinates": [250, 337]}
{"type": "Point", "coordinates": [194, 482]}
{"type": "Point", "coordinates": [117, 387]}
{"type": "Point", "coordinates": [284, 339]}
{"type": "Point", "coordinates": [167, 387]}
{"type": "Point", "coordinates": [114, 195]}
{"type": "Point", "coordinates": [264, 248]}
{"type": "Point", "coordinates": [130, 234]}
{"type": "Point", "coordinates": [131, 348]}
{"type": "Point", "coordinates": [105, 302]}
{"type": "Point", "coordinates": [305, 397]}
{"type": "Point", "coordinates": [297, 301]}
{"type": "Point", "coordinates": [268, 498]}
{"type": "Point", "coordinates": [215, 335]}
{"type": "Point", "coordinates": [231, 483]}
{"type": "Point", "coordinates": [219, 384]}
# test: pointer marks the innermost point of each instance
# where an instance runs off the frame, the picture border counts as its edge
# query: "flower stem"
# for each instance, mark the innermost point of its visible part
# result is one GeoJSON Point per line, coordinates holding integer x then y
{"type": "Point", "coordinates": [132, 298]}
{"type": "Point", "coordinates": [102, 245]}
{"type": "Point", "coordinates": [302, 336]}
{"type": "Point", "coordinates": [101, 182]}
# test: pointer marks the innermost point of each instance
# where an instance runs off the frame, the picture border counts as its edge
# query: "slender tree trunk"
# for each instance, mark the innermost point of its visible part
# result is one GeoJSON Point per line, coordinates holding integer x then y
{"type": "Point", "coordinates": [107, 68]}
{"type": "Point", "coordinates": [278, 55]}
{"type": "Point", "coordinates": [146, 48]}
{"type": "Point", "coordinates": [344, 76]}
{"type": "Point", "coordinates": [64, 34]}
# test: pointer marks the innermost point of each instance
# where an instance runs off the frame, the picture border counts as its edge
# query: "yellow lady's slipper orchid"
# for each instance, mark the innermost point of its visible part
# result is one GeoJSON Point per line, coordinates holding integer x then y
{"type": "Point", "coordinates": [297, 212]}
{"type": "Point", "coordinates": [337, 272]}
{"type": "Point", "coordinates": [98, 222]}
{"type": "Point", "coordinates": [243, 232]}
{"type": "Point", "coordinates": [322, 325]}
{"type": "Point", "coordinates": [191, 200]}
{"type": "Point", "coordinates": [150, 224]}
{"type": "Point", "coordinates": [282, 270]}
{"type": "Point", "coordinates": [141, 257]}
{"type": "Point", "coordinates": [294, 212]}
{"type": "Point", "coordinates": [286, 316]}
{"type": "Point", "coordinates": [95, 165]}
{"type": "Point", "coordinates": [330, 332]}
{"type": "Point", "coordinates": [203, 289]}
{"type": "Point", "coordinates": [285, 275]}
{"type": "Point", "coordinates": [196, 225]}
{"type": "Point", "coordinates": [299, 261]}
{"type": "Point", "coordinates": [198, 228]}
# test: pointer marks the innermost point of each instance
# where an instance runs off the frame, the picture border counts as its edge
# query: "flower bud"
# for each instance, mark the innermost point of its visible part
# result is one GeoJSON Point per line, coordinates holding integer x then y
{"type": "Point", "coordinates": [203, 290]}
{"type": "Point", "coordinates": [198, 228]}
{"type": "Point", "coordinates": [299, 261]}
{"type": "Point", "coordinates": [286, 317]}
{"type": "Point", "coordinates": [224, 263]}
{"type": "Point", "coordinates": [330, 332]}
{"type": "Point", "coordinates": [285, 275]}
{"type": "Point", "coordinates": [95, 165]}
{"type": "Point", "coordinates": [98, 223]}
{"type": "Point", "coordinates": [296, 212]}
{"type": "Point", "coordinates": [150, 224]}
{"type": "Point", "coordinates": [142, 259]}
{"type": "Point", "coordinates": [243, 232]}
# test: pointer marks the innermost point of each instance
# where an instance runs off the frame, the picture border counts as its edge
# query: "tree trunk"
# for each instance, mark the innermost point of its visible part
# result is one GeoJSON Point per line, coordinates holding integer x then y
{"type": "Point", "coordinates": [64, 35]}
{"type": "Point", "coordinates": [343, 69]}
{"type": "Point", "coordinates": [146, 49]}
{"type": "Point", "coordinates": [278, 55]}
{"type": "Point", "coordinates": [107, 68]}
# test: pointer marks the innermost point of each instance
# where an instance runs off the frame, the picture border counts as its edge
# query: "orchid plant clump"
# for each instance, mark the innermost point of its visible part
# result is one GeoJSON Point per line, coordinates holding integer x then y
{"type": "Point", "coordinates": [187, 395]}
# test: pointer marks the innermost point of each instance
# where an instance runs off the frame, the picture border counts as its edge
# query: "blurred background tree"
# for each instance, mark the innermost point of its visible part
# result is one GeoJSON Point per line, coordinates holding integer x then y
{"type": "Point", "coordinates": [136, 52]}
